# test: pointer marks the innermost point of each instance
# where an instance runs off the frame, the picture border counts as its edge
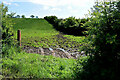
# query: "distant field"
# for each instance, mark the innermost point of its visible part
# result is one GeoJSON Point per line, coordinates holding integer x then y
{"type": "Point", "coordinates": [39, 33]}
{"type": "Point", "coordinates": [33, 27]}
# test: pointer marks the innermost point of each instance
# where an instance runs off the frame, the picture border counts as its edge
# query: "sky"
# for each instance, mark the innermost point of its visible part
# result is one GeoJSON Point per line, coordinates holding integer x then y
{"type": "Point", "coordinates": [42, 8]}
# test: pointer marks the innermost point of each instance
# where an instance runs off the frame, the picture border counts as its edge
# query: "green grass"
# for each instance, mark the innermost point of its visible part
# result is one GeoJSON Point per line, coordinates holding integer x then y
{"type": "Point", "coordinates": [37, 66]}
{"type": "Point", "coordinates": [78, 39]}
{"type": "Point", "coordinates": [39, 33]}
{"type": "Point", "coordinates": [33, 27]}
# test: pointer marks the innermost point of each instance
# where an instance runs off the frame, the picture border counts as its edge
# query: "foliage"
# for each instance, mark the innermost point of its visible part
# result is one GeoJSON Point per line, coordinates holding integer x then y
{"type": "Point", "coordinates": [9, 50]}
{"type": "Point", "coordinates": [18, 16]}
{"type": "Point", "coordinates": [23, 65]}
{"type": "Point", "coordinates": [51, 19]}
{"type": "Point", "coordinates": [11, 15]}
{"type": "Point", "coordinates": [32, 16]}
{"type": "Point", "coordinates": [69, 25]}
{"type": "Point", "coordinates": [6, 27]}
{"type": "Point", "coordinates": [78, 68]}
{"type": "Point", "coordinates": [7, 33]}
{"type": "Point", "coordinates": [103, 43]}
{"type": "Point", "coordinates": [23, 16]}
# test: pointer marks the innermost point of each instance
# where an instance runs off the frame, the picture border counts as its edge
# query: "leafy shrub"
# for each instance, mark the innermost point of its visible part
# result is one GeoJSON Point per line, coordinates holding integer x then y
{"type": "Point", "coordinates": [7, 32]}
{"type": "Point", "coordinates": [103, 43]}
{"type": "Point", "coordinates": [6, 27]}
{"type": "Point", "coordinates": [69, 25]}
{"type": "Point", "coordinates": [78, 67]}
{"type": "Point", "coordinates": [23, 16]}
{"type": "Point", "coordinates": [51, 19]}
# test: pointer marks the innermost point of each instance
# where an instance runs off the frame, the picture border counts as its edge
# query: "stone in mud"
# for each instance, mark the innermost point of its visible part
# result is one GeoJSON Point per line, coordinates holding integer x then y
{"type": "Point", "coordinates": [31, 51]}
{"type": "Point", "coordinates": [38, 51]}
{"type": "Point", "coordinates": [78, 55]}
{"type": "Point", "coordinates": [42, 51]}
{"type": "Point", "coordinates": [53, 54]}
{"type": "Point", "coordinates": [73, 55]}
{"type": "Point", "coordinates": [52, 51]}
{"type": "Point", "coordinates": [59, 52]}
{"type": "Point", "coordinates": [83, 55]}
{"type": "Point", "coordinates": [68, 55]}
{"type": "Point", "coordinates": [57, 55]}
{"type": "Point", "coordinates": [46, 51]}
{"type": "Point", "coordinates": [82, 52]}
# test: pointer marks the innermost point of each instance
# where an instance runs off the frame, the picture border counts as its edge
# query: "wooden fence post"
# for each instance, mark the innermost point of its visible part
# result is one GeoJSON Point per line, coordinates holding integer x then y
{"type": "Point", "coordinates": [19, 37]}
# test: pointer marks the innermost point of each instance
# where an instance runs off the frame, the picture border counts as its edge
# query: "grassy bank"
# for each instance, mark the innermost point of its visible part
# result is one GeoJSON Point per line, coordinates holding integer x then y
{"type": "Point", "coordinates": [33, 27]}
{"type": "Point", "coordinates": [23, 65]}
{"type": "Point", "coordinates": [39, 33]}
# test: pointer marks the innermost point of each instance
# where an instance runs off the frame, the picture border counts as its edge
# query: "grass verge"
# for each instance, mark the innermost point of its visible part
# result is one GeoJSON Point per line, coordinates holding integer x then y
{"type": "Point", "coordinates": [23, 65]}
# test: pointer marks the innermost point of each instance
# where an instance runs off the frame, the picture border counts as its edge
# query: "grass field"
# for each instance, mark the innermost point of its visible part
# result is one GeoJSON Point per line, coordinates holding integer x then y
{"type": "Point", "coordinates": [33, 27]}
{"type": "Point", "coordinates": [24, 65]}
{"type": "Point", "coordinates": [39, 33]}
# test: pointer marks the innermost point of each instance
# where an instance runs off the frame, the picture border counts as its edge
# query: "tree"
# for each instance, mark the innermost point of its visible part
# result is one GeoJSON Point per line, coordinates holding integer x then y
{"type": "Point", "coordinates": [103, 43]}
{"type": "Point", "coordinates": [7, 31]}
{"type": "Point", "coordinates": [11, 15]}
{"type": "Point", "coordinates": [6, 26]}
{"type": "Point", "coordinates": [23, 16]}
{"type": "Point", "coordinates": [32, 16]}
{"type": "Point", "coordinates": [8, 44]}
{"type": "Point", "coordinates": [18, 16]}
{"type": "Point", "coordinates": [71, 22]}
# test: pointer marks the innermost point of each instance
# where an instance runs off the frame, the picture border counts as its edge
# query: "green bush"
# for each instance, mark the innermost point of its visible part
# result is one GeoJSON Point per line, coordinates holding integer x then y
{"type": "Point", "coordinates": [103, 43]}
{"type": "Point", "coordinates": [69, 25]}
{"type": "Point", "coordinates": [78, 67]}
{"type": "Point", "coordinates": [51, 19]}
{"type": "Point", "coordinates": [6, 27]}
{"type": "Point", "coordinates": [7, 40]}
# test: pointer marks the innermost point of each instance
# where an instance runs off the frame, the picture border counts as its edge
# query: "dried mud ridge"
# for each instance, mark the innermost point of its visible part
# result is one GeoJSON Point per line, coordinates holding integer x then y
{"type": "Point", "coordinates": [58, 52]}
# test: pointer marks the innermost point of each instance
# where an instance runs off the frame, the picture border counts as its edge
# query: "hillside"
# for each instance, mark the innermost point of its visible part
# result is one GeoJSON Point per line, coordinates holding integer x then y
{"type": "Point", "coordinates": [38, 36]}
{"type": "Point", "coordinates": [33, 27]}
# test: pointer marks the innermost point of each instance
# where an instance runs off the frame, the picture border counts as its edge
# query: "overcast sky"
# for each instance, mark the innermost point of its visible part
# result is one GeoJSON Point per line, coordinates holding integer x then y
{"type": "Point", "coordinates": [42, 8]}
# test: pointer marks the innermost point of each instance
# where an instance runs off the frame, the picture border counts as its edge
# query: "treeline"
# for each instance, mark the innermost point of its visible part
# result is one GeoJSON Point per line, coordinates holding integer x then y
{"type": "Point", "coordinates": [69, 25]}
{"type": "Point", "coordinates": [12, 15]}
